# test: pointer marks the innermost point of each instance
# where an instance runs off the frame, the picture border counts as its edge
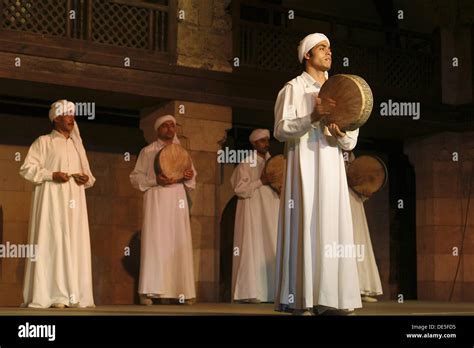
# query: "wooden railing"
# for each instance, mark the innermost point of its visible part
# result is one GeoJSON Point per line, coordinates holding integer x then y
{"type": "Point", "coordinates": [137, 24]}
{"type": "Point", "coordinates": [265, 39]}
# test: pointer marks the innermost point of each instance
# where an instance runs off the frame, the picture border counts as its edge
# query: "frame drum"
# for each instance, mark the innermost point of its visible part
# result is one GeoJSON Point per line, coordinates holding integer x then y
{"type": "Point", "coordinates": [172, 160]}
{"type": "Point", "coordinates": [276, 165]}
{"type": "Point", "coordinates": [354, 100]}
{"type": "Point", "coordinates": [366, 175]}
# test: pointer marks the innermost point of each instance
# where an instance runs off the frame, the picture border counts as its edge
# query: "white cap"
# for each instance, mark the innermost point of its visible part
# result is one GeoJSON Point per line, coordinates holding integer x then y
{"type": "Point", "coordinates": [308, 43]}
{"type": "Point", "coordinates": [162, 119]}
{"type": "Point", "coordinates": [259, 134]}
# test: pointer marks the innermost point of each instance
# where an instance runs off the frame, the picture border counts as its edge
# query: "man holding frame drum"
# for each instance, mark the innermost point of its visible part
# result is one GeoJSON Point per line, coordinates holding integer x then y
{"type": "Point", "coordinates": [166, 261]}
{"type": "Point", "coordinates": [315, 221]}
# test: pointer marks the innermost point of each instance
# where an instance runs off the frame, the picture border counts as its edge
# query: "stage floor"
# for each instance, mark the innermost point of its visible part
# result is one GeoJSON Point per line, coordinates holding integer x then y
{"type": "Point", "coordinates": [380, 308]}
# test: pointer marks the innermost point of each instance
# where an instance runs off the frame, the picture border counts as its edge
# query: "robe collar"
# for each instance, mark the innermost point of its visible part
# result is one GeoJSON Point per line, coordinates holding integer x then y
{"type": "Point", "coordinates": [267, 156]}
{"type": "Point", "coordinates": [160, 143]}
{"type": "Point", "coordinates": [56, 134]}
{"type": "Point", "coordinates": [309, 80]}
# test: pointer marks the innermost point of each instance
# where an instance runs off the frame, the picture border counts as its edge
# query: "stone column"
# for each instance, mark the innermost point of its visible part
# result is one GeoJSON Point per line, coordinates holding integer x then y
{"type": "Point", "coordinates": [204, 35]}
{"type": "Point", "coordinates": [444, 165]}
{"type": "Point", "coordinates": [456, 65]}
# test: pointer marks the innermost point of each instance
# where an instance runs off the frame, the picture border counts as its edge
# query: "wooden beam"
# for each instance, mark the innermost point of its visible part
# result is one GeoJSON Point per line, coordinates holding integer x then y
{"type": "Point", "coordinates": [182, 83]}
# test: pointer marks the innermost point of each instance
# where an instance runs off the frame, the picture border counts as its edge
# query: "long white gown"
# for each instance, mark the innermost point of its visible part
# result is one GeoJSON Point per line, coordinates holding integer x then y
{"type": "Point", "coordinates": [369, 278]}
{"type": "Point", "coordinates": [58, 226]}
{"type": "Point", "coordinates": [166, 262]}
{"type": "Point", "coordinates": [314, 208]}
{"type": "Point", "coordinates": [255, 234]}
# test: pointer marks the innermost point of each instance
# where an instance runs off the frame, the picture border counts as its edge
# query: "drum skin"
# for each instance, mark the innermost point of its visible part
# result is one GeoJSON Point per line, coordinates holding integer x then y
{"type": "Point", "coordinates": [172, 161]}
{"type": "Point", "coordinates": [276, 165]}
{"type": "Point", "coordinates": [366, 175]}
{"type": "Point", "coordinates": [354, 101]}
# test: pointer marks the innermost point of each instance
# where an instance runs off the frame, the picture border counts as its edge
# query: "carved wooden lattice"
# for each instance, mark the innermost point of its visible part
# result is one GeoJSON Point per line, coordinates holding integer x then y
{"type": "Point", "coordinates": [120, 25]}
{"type": "Point", "coordinates": [361, 61]}
{"type": "Point", "coordinates": [275, 50]}
{"type": "Point", "coordinates": [47, 17]}
{"type": "Point", "coordinates": [268, 49]}
{"type": "Point", "coordinates": [408, 71]}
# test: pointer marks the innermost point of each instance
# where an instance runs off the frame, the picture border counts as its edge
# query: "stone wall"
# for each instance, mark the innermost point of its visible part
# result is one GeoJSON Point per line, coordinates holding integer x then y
{"type": "Point", "coordinates": [15, 200]}
{"type": "Point", "coordinates": [442, 186]}
{"type": "Point", "coordinates": [114, 209]}
{"type": "Point", "coordinates": [204, 35]}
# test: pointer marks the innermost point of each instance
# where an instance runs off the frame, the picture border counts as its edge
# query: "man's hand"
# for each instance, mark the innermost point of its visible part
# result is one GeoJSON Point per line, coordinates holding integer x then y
{"type": "Point", "coordinates": [80, 179]}
{"type": "Point", "coordinates": [322, 108]}
{"type": "Point", "coordinates": [188, 174]}
{"type": "Point", "coordinates": [162, 180]}
{"type": "Point", "coordinates": [335, 131]}
{"type": "Point", "coordinates": [60, 177]}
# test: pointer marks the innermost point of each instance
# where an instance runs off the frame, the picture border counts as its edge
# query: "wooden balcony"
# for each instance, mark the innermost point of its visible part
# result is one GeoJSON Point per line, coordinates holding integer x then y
{"type": "Point", "coordinates": [80, 49]}
{"type": "Point", "coordinates": [113, 27]}
{"type": "Point", "coordinates": [395, 63]}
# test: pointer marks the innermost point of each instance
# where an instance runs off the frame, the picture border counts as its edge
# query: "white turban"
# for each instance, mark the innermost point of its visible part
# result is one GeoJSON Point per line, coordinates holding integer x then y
{"type": "Point", "coordinates": [60, 108]}
{"type": "Point", "coordinates": [65, 107]}
{"type": "Point", "coordinates": [162, 119]}
{"type": "Point", "coordinates": [259, 134]}
{"type": "Point", "coordinates": [308, 43]}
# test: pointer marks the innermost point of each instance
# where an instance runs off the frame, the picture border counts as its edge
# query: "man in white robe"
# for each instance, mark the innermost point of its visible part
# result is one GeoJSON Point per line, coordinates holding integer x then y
{"type": "Point", "coordinates": [256, 220]}
{"type": "Point", "coordinates": [166, 264]}
{"type": "Point", "coordinates": [315, 214]}
{"type": "Point", "coordinates": [57, 165]}
{"type": "Point", "coordinates": [369, 278]}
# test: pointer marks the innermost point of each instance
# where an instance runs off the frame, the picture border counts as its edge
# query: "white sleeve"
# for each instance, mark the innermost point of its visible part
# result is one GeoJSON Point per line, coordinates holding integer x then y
{"type": "Point", "coordinates": [33, 168]}
{"type": "Point", "coordinates": [288, 124]}
{"type": "Point", "coordinates": [91, 181]}
{"type": "Point", "coordinates": [139, 177]}
{"type": "Point", "coordinates": [349, 141]}
{"type": "Point", "coordinates": [87, 170]}
{"type": "Point", "coordinates": [191, 184]}
{"type": "Point", "coordinates": [241, 183]}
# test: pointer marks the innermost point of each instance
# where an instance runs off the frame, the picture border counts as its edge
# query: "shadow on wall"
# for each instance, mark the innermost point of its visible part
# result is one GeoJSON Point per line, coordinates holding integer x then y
{"type": "Point", "coordinates": [131, 263]}
{"type": "Point", "coordinates": [403, 261]}
{"type": "Point", "coordinates": [226, 250]}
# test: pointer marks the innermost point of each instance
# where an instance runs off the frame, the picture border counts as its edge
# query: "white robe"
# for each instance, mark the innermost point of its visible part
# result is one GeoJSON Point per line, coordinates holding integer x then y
{"type": "Point", "coordinates": [166, 262]}
{"type": "Point", "coordinates": [59, 225]}
{"type": "Point", "coordinates": [314, 209]}
{"type": "Point", "coordinates": [369, 279]}
{"type": "Point", "coordinates": [255, 234]}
